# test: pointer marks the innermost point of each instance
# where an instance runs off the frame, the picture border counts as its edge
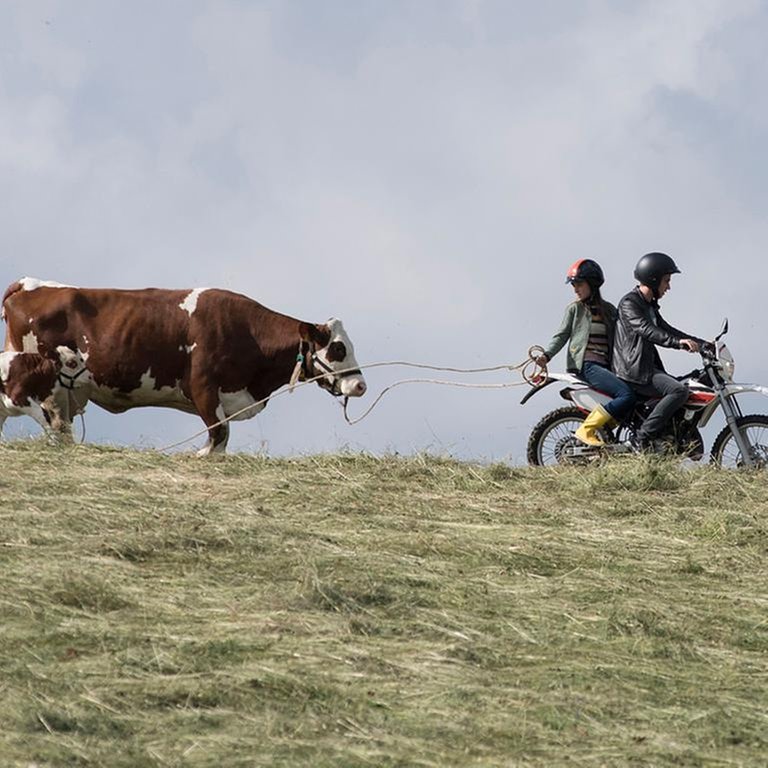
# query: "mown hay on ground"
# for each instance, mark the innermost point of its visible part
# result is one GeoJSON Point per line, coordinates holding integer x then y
{"type": "Point", "coordinates": [352, 610]}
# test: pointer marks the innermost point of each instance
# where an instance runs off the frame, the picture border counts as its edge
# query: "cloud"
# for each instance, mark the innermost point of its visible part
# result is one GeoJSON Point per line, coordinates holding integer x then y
{"type": "Point", "coordinates": [426, 171]}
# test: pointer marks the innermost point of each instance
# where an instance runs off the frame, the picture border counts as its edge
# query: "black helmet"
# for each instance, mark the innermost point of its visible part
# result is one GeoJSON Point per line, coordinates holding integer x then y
{"type": "Point", "coordinates": [585, 269]}
{"type": "Point", "coordinates": [652, 267]}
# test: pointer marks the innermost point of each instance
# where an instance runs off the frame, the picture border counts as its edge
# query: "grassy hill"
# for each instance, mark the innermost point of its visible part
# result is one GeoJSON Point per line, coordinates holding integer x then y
{"type": "Point", "coordinates": [356, 611]}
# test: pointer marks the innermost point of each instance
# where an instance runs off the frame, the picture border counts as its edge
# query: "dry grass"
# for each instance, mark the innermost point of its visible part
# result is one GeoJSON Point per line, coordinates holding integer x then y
{"type": "Point", "coordinates": [351, 611]}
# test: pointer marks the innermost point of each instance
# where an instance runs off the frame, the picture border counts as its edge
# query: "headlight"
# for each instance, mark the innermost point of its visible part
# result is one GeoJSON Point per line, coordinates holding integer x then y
{"type": "Point", "coordinates": [727, 365]}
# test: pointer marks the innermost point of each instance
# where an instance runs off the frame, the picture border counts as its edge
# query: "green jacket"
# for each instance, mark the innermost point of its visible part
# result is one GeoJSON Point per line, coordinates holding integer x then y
{"type": "Point", "coordinates": [575, 326]}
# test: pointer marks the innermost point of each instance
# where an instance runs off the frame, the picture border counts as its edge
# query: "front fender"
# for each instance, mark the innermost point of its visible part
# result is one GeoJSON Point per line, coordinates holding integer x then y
{"type": "Point", "coordinates": [731, 390]}
{"type": "Point", "coordinates": [738, 389]}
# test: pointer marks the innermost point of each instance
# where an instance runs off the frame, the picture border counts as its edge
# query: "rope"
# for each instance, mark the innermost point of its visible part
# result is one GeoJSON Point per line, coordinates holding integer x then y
{"type": "Point", "coordinates": [534, 353]}
{"type": "Point", "coordinates": [286, 391]}
{"type": "Point", "coordinates": [74, 406]}
{"type": "Point", "coordinates": [358, 419]}
{"type": "Point", "coordinates": [538, 374]}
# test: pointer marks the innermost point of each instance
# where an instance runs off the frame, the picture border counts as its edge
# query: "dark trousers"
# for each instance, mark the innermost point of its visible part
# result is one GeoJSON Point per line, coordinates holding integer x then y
{"type": "Point", "coordinates": [673, 394]}
{"type": "Point", "coordinates": [601, 378]}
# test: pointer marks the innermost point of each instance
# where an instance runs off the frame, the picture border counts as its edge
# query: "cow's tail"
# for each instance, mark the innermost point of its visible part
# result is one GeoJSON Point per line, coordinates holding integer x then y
{"type": "Point", "coordinates": [9, 291]}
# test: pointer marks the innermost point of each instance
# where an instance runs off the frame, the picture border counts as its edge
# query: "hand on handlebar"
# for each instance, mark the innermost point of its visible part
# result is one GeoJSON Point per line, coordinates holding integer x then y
{"type": "Point", "coordinates": [690, 345]}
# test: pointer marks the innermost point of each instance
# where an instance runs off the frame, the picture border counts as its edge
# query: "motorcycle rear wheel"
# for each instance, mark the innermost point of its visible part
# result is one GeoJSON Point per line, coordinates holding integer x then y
{"type": "Point", "coordinates": [554, 434]}
{"type": "Point", "coordinates": [725, 451]}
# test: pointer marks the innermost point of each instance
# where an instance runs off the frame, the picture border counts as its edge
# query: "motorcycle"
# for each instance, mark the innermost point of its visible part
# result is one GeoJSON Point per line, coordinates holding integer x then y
{"type": "Point", "coordinates": [743, 442]}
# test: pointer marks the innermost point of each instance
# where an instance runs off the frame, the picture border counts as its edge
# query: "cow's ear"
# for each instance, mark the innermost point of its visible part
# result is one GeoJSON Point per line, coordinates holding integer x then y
{"type": "Point", "coordinates": [319, 335]}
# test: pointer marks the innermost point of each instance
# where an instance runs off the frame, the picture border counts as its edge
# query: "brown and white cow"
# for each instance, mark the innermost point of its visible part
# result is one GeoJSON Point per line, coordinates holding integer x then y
{"type": "Point", "coordinates": [205, 351]}
{"type": "Point", "coordinates": [32, 384]}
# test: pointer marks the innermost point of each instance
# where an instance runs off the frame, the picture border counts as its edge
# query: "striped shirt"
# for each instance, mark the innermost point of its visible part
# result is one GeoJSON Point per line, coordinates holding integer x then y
{"type": "Point", "coordinates": [597, 345]}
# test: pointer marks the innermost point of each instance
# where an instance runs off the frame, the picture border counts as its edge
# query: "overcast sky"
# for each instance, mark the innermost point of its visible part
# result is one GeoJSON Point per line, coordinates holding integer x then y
{"type": "Point", "coordinates": [425, 170]}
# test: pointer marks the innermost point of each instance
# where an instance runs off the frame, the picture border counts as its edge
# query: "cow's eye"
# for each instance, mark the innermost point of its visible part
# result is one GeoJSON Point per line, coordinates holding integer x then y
{"type": "Point", "coordinates": [71, 364]}
{"type": "Point", "coordinates": [337, 351]}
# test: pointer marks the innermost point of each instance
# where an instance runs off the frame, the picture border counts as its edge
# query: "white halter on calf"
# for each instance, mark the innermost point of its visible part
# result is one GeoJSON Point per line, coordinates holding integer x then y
{"type": "Point", "coordinates": [74, 372]}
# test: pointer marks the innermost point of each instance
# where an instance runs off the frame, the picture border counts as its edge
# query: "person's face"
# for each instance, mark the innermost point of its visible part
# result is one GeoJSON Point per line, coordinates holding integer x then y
{"type": "Point", "coordinates": [664, 284]}
{"type": "Point", "coordinates": [581, 289]}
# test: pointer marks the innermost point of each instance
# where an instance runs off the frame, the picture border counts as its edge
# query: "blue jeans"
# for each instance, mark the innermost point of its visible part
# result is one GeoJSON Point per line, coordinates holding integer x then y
{"type": "Point", "coordinates": [602, 379]}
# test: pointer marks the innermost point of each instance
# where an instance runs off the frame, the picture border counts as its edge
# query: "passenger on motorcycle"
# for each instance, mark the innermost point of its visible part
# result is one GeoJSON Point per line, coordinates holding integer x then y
{"type": "Point", "coordinates": [640, 328]}
{"type": "Point", "coordinates": [588, 325]}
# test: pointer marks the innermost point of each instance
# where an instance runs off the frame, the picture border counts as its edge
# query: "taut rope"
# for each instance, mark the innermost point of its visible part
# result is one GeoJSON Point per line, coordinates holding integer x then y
{"type": "Point", "coordinates": [530, 370]}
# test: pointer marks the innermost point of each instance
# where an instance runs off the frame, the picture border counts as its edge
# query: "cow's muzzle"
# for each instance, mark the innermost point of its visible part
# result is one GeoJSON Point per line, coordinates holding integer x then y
{"type": "Point", "coordinates": [346, 383]}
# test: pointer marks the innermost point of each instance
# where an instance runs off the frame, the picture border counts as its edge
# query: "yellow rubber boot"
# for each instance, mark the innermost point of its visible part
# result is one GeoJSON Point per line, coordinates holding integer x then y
{"type": "Point", "coordinates": [587, 432]}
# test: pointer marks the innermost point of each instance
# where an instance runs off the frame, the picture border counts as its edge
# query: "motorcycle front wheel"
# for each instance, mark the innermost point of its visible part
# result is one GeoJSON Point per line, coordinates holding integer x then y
{"type": "Point", "coordinates": [551, 438]}
{"type": "Point", "coordinates": [725, 450]}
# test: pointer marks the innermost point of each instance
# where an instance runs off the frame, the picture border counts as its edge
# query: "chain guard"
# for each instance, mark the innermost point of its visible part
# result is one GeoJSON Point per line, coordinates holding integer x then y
{"type": "Point", "coordinates": [571, 449]}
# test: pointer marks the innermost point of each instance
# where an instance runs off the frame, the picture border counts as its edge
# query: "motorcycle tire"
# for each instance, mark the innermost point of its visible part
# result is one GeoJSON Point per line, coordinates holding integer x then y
{"type": "Point", "coordinates": [554, 433]}
{"type": "Point", "coordinates": [725, 452]}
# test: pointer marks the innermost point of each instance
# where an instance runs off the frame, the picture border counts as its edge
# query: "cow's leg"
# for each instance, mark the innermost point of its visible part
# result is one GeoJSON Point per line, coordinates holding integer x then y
{"type": "Point", "coordinates": [58, 423]}
{"type": "Point", "coordinates": [3, 417]}
{"type": "Point", "coordinates": [218, 436]}
{"type": "Point", "coordinates": [211, 412]}
{"type": "Point", "coordinates": [38, 414]}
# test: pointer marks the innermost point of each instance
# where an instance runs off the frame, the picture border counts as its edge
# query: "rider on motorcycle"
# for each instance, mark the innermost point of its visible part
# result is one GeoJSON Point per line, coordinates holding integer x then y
{"type": "Point", "coordinates": [639, 329]}
{"type": "Point", "coordinates": [588, 326]}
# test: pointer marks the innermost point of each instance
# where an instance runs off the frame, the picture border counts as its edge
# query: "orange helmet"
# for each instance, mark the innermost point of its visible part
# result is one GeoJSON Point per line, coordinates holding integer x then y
{"type": "Point", "coordinates": [585, 269]}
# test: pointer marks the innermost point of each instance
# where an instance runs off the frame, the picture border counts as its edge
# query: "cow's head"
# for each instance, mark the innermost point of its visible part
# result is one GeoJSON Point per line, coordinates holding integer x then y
{"type": "Point", "coordinates": [74, 372]}
{"type": "Point", "coordinates": [332, 357]}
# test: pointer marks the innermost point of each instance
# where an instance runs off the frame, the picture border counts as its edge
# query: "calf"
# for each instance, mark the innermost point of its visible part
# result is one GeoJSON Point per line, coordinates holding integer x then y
{"type": "Point", "coordinates": [31, 384]}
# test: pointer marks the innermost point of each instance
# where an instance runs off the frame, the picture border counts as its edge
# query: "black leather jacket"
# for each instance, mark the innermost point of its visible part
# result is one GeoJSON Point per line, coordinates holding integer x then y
{"type": "Point", "coordinates": [639, 329]}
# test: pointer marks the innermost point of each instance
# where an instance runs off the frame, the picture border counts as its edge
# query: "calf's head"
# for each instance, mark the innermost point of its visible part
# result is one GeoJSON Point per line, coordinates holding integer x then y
{"type": "Point", "coordinates": [73, 372]}
{"type": "Point", "coordinates": [332, 357]}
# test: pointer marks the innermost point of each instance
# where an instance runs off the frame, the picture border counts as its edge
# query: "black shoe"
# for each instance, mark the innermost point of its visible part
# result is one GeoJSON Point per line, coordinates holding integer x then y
{"type": "Point", "coordinates": [650, 445]}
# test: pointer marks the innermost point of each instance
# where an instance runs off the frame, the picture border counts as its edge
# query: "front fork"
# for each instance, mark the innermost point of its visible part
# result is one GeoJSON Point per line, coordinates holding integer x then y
{"type": "Point", "coordinates": [732, 414]}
